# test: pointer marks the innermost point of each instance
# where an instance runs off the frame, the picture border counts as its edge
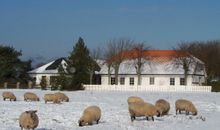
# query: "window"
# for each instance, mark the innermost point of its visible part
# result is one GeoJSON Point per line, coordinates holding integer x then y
{"type": "Point", "coordinates": [151, 80]}
{"type": "Point", "coordinates": [131, 81]}
{"type": "Point", "coordinates": [112, 80]}
{"type": "Point", "coordinates": [122, 80]}
{"type": "Point", "coordinates": [182, 81]}
{"type": "Point", "coordinates": [172, 81]}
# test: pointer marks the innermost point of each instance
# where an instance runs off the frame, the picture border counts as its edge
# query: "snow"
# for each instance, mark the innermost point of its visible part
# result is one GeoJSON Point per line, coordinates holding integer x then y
{"type": "Point", "coordinates": [155, 66]}
{"type": "Point", "coordinates": [115, 115]}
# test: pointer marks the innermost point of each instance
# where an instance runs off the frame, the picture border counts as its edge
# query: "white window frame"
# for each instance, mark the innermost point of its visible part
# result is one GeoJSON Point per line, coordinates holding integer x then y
{"type": "Point", "coordinates": [113, 80]}
{"type": "Point", "coordinates": [152, 80]}
{"type": "Point", "coordinates": [172, 81]}
{"type": "Point", "coordinates": [131, 81]}
{"type": "Point", "coordinates": [122, 80]}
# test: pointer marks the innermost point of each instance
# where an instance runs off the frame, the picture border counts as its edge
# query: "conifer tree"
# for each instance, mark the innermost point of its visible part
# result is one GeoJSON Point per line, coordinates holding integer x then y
{"type": "Point", "coordinates": [43, 83]}
{"type": "Point", "coordinates": [79, 59]}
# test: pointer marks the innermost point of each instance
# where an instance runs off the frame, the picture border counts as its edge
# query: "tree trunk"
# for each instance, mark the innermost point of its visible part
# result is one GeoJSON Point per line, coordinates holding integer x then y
{"type": "Point", "coordinates": [116, 74]}
{"type": "Point", "coordinates": [109, 75]}
{"type": "Point", "coordinates": [185, 77]}
{"type": "Point", "coordinates": [139, 75]}
{"type": "Point", "coordinates": [90, 77]}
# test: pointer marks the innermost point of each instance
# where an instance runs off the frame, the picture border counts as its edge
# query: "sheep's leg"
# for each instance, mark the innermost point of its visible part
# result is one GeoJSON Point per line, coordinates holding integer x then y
{"type": "Point", "coordinates": [21, 127]}
{"type": "Point", "coordinates": [180, 111]}
{"type": "Point", "coordinates": [90, 123]}
{"type": "Point", "coordinates": [147, 117]}
{"type": "Point", "coordinates": [97, 121]}
{"type": "Point", "coordinates": [152, 118]}
{"type": "Point", "coordinates": [132, 118]}
{"type": "Point", "coordinates": [176, 111]}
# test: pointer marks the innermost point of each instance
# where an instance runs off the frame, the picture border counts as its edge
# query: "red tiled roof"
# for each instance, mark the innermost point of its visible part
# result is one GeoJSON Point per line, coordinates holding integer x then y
{"type": "Point", "coordinates": [161, 55]}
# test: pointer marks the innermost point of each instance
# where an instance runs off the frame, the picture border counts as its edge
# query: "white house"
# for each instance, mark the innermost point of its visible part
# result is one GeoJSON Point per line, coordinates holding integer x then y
{"type": "Point", "coordinates": [48, 71]}
{"type": "Point", "coordinates": [159, 69]}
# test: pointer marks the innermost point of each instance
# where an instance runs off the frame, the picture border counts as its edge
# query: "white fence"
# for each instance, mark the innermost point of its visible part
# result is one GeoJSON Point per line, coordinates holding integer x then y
{"type": "Point", "coordinates": [149, 88]}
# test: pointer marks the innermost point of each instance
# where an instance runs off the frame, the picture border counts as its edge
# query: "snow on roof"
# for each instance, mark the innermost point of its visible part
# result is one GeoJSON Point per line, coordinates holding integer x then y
{"type": "Point", "coordinates": [159, 62]}
{"type": "Point", "coordinates": [49, 68]}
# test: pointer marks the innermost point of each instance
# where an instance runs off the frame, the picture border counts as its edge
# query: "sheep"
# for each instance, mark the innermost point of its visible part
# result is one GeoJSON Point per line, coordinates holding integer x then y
{"type": "Point", "coordinates": [51, 98]}
{"type": "Point", "coordinates": [28, 120]}
{"type": "Point", "coordinates": [142, 109]}
{"type": "Point", "coordinates": [31, 97]}
{"type": "Point", "coordinates": [8, 95]}
{"type": "Point", "coordinates": [162, 106]}
{"type": "Point", "coordinates": [185, 105]}
{"type": "Point", "coordinates": [90, 114]}
{"type": "Point", "coordinates": [62, 96]}
{"type": "Point", "coordinates": [134, 99]}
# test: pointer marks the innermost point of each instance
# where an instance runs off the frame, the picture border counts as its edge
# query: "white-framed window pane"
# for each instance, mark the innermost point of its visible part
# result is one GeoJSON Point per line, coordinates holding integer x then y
{"type": "Point", "coordinates": [112, 80]}
{"type": "Point", "coordinates": [131, 81]}
{"type": "Point", "coordinates": [151, 80]}
{"type": "Point", "coordinates": [172, 81]}
{"type": "Point", "coordinates": [182, 81]}
{"type": "Point", "coordinates": [122, 80]}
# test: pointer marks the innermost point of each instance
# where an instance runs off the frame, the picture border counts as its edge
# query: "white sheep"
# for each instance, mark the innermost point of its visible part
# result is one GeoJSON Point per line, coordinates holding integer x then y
{"type": "Point", "coordinates": [142, 109]}
{"type": "Point", "coordinates": [185, 105]}
{"type": "Point", "coordinates": [51, 98]}
{"type": "Point", "coordinates": [90, 114]}
{"type": "Point", "coordinates": [62, 97]}
{"type": "Point", "coordinates": [134, 99]}
{"type": "Point", "coordinates": [162, 106]}
{"type": "Point", "coordinates": [8, 95]}
{"type": "Point", "coordinates": [28, 120]}
{"type": "Point", "coordinates": [29, 96]}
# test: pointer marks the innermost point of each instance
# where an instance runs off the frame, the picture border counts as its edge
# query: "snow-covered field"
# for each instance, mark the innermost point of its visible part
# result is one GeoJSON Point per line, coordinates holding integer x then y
{"type": "Point", "coordinates": [114, 108]}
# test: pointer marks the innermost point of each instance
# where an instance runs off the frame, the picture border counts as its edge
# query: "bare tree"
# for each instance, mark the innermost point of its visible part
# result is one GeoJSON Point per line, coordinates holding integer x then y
{"type": "Point", "coordinates": [109, 53]}
{"type": "Point", "coordinates": [140, 57]}
{"type": "Point", "coordinates": [184, 59]}
{"type": "Point", "coordinates": [95, 54]}
{"type": "Point", "coordinates": [116, 48]}
{"type": "Point", "coordinates": [209, 53]}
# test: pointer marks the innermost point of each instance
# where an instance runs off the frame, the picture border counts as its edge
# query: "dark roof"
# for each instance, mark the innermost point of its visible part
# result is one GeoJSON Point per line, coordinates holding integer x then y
{"type": "Point", "coordinates": [55, 64]}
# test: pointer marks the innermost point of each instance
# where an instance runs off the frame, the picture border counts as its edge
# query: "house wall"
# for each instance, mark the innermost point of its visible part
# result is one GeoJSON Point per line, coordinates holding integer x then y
{"type": "Point", "coordinates": [159, 80]}
{"type": "Point", "coordinates": [38, 78]}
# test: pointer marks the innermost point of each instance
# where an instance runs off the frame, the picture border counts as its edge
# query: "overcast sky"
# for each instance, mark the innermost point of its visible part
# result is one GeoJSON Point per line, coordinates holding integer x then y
{"type": "Point", "coordinates": [50, 28]}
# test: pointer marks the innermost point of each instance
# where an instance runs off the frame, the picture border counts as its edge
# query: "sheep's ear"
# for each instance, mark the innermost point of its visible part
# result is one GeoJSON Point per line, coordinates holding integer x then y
{"type": "Point", "coordinates": [27, 111]}
{"type": "Point", "coordinates": [35, 111]}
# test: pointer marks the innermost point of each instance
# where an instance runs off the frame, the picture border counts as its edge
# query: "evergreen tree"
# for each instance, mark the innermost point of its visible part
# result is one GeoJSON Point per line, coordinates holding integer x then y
{"type": "Point", "coordinates": [43, 83]}
{"type": "Point", "coordinates": [62, 81]}
{"type": "Point", "coordinates": [9, 63]}
{"type": "Point", "coordinates": [79, 59]}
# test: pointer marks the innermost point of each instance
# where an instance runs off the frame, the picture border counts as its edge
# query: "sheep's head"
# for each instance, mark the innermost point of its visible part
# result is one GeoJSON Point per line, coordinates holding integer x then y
{"type": "Point", "coordinates": [32, 113]}
{"type": "Point", "coordinates": [195, 113]}
{"type": "Point", "coordinates": [158, 113]}
{"type": "Point", "coordinates": [82, 122]}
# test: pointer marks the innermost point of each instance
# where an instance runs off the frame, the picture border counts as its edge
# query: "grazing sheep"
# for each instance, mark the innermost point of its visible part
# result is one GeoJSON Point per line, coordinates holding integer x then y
{"type": "Point", "coordinates": [28, 120]}
{"type": "Point", "coordinates": [28, 96]}
{"type": "Point", "coordinates": [90, 114]}
{"type": "Point", "coordinates": [134, 99]}
{"type": "Point", "coordinates": [51, 98]}
{"type": "Point", "coordinates": [162, 106]}
{"type": "Point", "coordinates": [62, 97]}
{"type": "Point", "coordinates": [142, 109]}
{"type": "Point", "coordinates": [8, 95]}
{"type": "Point", "coordinates": [185, 105]}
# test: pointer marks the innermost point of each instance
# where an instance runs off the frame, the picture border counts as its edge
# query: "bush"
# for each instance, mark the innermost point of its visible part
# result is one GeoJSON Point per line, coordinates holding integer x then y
{"type": "Point", "coordinates": [215, 86]}
{"type": "Point", "coordinates": [43, 83]}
